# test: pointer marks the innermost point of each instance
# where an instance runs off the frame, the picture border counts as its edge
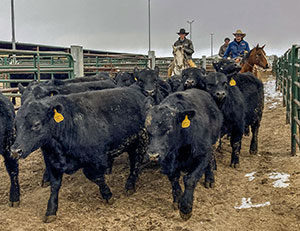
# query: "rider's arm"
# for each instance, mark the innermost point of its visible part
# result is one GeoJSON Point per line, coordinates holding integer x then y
{"type": "Point", "coordinates": [189, 48]}
{"type": "Point", "coordinates": [247, 47]}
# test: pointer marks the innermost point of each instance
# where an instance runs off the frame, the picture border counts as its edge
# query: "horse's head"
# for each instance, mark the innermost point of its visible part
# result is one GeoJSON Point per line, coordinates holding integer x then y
{"type": "Point", "coordinates": [179, 57]}
{"type": "Point", "coordinates": [258, 56]}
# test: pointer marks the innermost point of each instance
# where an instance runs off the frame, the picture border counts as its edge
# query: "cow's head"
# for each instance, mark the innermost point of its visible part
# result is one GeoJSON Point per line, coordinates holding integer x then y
{"type": "Point", "coordinates": [193, 78]}
{"type": "Point", "coordinates": [227, 66]}
{"type": "Point", "coordinates": [147, 80]}
{"type": "Point", "coordinates": [163, 124]}
{"type": "Point", "coordinates": [217, 85]}
{"type": "Point", "coordinates": [34, 123]}
{"type": "Point", "coordinates": [124, 79]}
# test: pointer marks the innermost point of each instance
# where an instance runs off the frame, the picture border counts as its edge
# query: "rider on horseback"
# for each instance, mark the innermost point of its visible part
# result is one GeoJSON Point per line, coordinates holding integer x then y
{"type": "Point", "coordinates": [238, 47]}
{"type": "Point", "coordinates": [187, 46]}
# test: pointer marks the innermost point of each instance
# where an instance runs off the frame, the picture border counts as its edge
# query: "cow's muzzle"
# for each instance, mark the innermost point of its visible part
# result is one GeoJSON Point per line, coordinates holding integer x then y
{"type": "Point", "coordinates": [189, 83]}
{"type": "Point", "coordinates": [153, 156]}
{"type": "Point", "coordinates": [16, 153]}
{"type": "Point", "coordinates": [150, 92]}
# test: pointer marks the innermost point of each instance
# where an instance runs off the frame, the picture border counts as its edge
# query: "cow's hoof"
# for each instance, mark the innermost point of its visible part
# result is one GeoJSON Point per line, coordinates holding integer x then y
{"type": "Point", "coordinates": [209, 184]}
{"type": "Point", "coordinates": [175, 206]}
{"type": "Point", "coordinates": [184, 216]}
{"type": "Point", "coordinates": [110, 201]}
{"type": "Point", "coordinates": [49, 219]}
{"type": "Point", "coordinates": [253, 152]}
{"type": "Point", "coordinates": [236, 165]}
{"type": "Point", "coordinates": [45, 184]}
{"type": "Point", "coordinates": [129, 192]}
{"type": "Point", "coordinates": [14, 204]}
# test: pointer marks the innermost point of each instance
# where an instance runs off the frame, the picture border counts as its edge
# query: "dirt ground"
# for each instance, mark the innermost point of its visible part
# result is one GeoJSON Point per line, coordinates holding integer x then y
{"type": "Point", "coordinates": [150, 208]}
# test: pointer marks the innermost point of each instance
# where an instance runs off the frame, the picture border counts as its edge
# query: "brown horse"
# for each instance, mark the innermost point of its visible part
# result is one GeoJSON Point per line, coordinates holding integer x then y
{"type": "Point", "coordinates": [257, 56]}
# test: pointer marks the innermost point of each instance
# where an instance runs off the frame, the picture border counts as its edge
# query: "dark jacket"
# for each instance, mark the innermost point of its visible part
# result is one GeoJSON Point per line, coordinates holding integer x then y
{"type": "Point", "coordinates": [222, 50]}
{"type": "Point", "coordinates": [188, 47]}
{"type": "Point", "coordinates": [236, 49]}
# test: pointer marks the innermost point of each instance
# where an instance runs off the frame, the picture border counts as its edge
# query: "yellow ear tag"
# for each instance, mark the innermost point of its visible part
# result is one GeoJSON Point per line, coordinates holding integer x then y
{"type": "Point", "coordinates": [186, 122]}
{"type": "Point", "coordinates": [58, 117]}
{"type": "Point", "coordinates": [52, 95]}
{"type": "Point", "coordinates": [232, 82]}
{"type": "Point", "coordinates": [135, 78]}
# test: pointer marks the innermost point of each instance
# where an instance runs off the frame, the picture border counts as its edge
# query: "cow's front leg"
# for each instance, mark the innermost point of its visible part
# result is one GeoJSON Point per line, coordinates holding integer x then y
{"type": "Point", "coordinates": [13, 172]}
{"type": "Point", "coordinates": [190, 181]}
{"type": "Point", "coordinates": [236, 143]}
{"type": "Point", "coordinates": [55, 183]}
{"type": "Point", "coordinates": [176, 189]}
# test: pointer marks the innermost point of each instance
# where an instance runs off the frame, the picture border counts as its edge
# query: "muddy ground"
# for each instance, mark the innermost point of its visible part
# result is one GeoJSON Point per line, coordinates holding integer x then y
{"type": "Point", "coordinates": [150, 208]}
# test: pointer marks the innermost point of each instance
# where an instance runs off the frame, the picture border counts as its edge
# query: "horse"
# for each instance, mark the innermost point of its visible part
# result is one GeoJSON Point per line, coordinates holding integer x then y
{"type": "Point", "coordinates": [257, 56]}
{"type": "Point", "coordinates": [179, 63]}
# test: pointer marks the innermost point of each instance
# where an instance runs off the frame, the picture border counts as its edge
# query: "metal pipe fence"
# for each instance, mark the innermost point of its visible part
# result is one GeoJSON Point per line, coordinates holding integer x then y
{"type": "Point", "coordinates": [287, 71]}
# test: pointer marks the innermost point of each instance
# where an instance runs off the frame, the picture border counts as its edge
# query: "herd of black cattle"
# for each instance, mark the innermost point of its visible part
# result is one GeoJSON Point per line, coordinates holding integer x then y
{"type": "Point", "coordinates": [86, 122]}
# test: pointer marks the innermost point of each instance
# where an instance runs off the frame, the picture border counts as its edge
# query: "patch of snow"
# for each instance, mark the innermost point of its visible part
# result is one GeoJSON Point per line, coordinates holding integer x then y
{"type": "Point", "coordinates": [281, 179]}
{"type": "Point", "coordinates": [246, 204]}
{"type": "Point", "coordinates": [250, 175]}
{"type": "Point", "coordinates": [270, 92]}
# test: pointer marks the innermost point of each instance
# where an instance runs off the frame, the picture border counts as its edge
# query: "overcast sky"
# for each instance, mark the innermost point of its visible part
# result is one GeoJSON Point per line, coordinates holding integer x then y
{"type": "Point", "coordinates": [122, 25]}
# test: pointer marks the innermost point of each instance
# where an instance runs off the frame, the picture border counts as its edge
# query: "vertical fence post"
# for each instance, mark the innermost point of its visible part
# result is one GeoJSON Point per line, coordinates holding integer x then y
{"type": "Point", "coordinates": [77, 53]}
{"type": "Point", "coordinates": [288, 86]}
{"type": "Point", "coordinates": [293, 97]}
{"type": "Point", "coordinates": [38, 65]}
{"type": "Point", "coordinates": [204, 62]}
{"type": "Point", "coordinates": [151, 57]}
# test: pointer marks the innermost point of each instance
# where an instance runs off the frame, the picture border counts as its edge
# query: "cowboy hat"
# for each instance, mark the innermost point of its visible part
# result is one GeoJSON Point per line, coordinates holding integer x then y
{"type": "Point", "coordinates": [240, 33]}
{"type": "Point", "coordinates": [182, 31]}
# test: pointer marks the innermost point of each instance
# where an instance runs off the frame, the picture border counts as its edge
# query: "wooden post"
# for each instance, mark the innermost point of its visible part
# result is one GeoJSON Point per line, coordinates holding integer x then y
{"type": "Point", "coordinates": [77, 53]}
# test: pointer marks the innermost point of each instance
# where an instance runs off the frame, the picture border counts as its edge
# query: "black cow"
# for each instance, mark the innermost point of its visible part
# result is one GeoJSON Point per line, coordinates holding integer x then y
{"type": "Point", "coordinates": [151, 85]}
{"type": "Point", "coordinates": [31, 77]}
{"type": "Point", "coordinates": [253, 91]}
{"type": "Point", "coordinates": [125, 79]}
{"type": "Point", "coordinates": [7, 115]}
{"type": "Point", "coordinates": [227, 66]}
{"type": "Point", "coordinates": [84, 130]}
{"type": "Point", "coordinates": [175, 82]}
{"type": "Point", "coordinates": [98, 77]}
{"type": "Point", "coordinates": [54, 87]}
{"type": "Point", "coordinates": [193, 78]}
{"type": "Point", "coordinates": [182, 130]}
{"type": "Point", "coordinates": [232, 104]}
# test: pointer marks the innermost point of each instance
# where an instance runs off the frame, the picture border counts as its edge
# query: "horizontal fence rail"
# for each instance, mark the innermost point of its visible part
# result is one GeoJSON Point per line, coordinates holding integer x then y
{"type": "Point", "coordinates": [287, 69]}
{"type": "Point", "coordinates": [43, 65]}
{"type": "Point", "coordinates": [34, 65]}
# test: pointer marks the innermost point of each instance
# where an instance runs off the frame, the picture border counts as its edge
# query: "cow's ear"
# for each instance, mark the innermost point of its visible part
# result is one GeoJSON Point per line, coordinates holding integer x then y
{"type": "Point", "coordinates": [58, 107]}
{"type": "Point", "coordinates": [263, 46]}
{"type": "Point", "coordinates": [185, 118]}
{"type": "Point", "coordinates": [57, 111]}
{"type": "Point", "coordinates": [57, 82]}
{"type": "Point", "coordinates": [257, 46]}
{"type": "Point", "coordinates": [21, 88]}
{"type": "Point", "coordinates": [156, 70]}
{"type": "Point", "coordinates": [53, 92]}
{"type": "Point", "coordinates": [136, 73]}
{"type": "Point", "coordinates": [216, 65]}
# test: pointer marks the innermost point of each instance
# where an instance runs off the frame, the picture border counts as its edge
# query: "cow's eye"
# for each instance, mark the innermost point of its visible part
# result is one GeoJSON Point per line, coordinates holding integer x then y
{"type": "Point", "coordinates": [210, 86]}
{"type": "Point", "coordinates": [37, 126]}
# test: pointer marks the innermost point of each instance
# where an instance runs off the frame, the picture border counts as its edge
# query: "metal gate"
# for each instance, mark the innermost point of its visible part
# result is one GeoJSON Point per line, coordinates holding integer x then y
{"type": "Point", "coordinates": [287, 69]}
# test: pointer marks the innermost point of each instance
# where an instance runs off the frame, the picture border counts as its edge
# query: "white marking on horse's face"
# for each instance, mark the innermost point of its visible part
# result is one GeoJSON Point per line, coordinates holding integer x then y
{"type": "Point", "coordinates": [179, 56]}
